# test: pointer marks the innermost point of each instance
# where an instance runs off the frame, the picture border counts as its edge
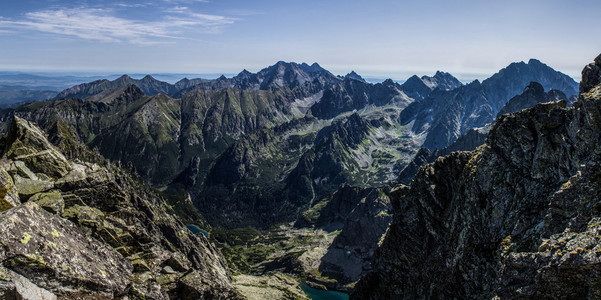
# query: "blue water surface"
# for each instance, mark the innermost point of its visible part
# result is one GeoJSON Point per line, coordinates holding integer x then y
{"type": "Point", "coordinates": [316, 294]}
{"type": "Point", "coordinates": [195, 229]}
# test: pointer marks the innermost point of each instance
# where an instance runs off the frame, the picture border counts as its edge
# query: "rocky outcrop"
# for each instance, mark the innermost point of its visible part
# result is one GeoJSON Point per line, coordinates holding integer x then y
{"type": "Point", "coordinates": [516, 218]}
{"type": "Point", "coordinates": [354, 75]}
{"type": "Point", "coordinates": [92, 231]}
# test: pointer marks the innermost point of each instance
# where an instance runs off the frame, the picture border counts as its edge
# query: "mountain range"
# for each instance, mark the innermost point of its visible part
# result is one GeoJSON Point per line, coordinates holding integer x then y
{"type": "Point", "coordinates": [310, 159]}
{"type": "Point", "coordinates": [296, 131]}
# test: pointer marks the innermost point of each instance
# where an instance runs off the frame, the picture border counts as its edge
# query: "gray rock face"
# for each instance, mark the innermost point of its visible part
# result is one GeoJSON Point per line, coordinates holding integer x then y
{"type": "Point", "coordinates": [516, 218]}
{"type": "Point", "coordinates": [591, 75]}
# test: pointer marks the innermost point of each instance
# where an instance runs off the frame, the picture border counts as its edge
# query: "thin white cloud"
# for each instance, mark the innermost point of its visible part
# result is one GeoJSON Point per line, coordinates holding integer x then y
{"type": "Point", "coordinates": [100, 25]}
{"type": "Point", "coordinates": [132, 5]}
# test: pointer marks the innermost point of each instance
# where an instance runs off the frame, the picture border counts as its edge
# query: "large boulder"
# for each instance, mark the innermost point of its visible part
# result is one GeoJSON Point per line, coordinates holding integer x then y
{"type": "Point", "coordinates": [55, 255]}
{"type": "Point", "coordinates": [26, 142]}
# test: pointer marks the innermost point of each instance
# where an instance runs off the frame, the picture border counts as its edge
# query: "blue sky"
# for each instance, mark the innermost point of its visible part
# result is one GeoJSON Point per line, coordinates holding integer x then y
{"type": "Point", "coordinates": [470, 39]}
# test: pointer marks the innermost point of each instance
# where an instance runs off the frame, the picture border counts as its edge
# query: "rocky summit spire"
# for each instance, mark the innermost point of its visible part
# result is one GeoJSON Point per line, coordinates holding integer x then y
{"type": "Point", "coordinates": [591, 75]}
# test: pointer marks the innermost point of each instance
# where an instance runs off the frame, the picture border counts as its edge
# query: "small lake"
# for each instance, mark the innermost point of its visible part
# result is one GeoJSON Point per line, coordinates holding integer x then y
{"type": "Point", "coordinates": [316, 294]}
{"type": "Point", "coordinates": [196, 230]}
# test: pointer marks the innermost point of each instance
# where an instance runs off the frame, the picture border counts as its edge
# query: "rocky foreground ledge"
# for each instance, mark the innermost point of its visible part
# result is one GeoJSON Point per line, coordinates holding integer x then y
{"type": "Point", "coordinates": [90, 230]}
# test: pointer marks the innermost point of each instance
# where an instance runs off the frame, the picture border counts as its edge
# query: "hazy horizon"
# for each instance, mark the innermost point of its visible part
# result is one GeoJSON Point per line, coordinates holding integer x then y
{"type": "Point", "coordinates": [379, 39]}
{"type": "Point", "coordinates": [173, 77]}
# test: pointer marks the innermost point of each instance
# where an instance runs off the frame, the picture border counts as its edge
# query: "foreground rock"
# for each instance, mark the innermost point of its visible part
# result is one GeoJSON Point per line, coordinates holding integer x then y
{"type": "Point", "coordinates": [93, 232]}
{"type": "Point", "coordinates": [517, 218]}
{"type": "Point", "coordinates": [55, 255]}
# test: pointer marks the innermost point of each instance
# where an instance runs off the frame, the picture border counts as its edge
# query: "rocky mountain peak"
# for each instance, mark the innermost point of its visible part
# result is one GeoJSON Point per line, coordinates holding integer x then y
{"type": "Point", "coordinates": [442, 80]}
{"type": "Point", "coordinates": [413, 80]}
{"type": "Point", "coordinates": [148, 78]}
{"type": "Point", "coordinates": [315, 67]}
{"type": "Point", "coordinates": [244, 73]}
{"type": "Point", "coordinates": [354, 75]}
{"type": "Point", "coordinates": [388, 82]}
{"type": "Point", "coordinates": [535, 62]}
{"type": "Point", "coordinates": [591, 75]}
{"type": "Point", "coordinates": [419, 88]}
{"type": "Point", "coordinates": [475, 82]}
{"type": "Point", "coordinates": [124, 77]}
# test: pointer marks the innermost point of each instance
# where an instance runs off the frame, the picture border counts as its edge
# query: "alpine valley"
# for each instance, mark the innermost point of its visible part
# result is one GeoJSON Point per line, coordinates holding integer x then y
{"type": "Point", "coordinates": [267, 185]}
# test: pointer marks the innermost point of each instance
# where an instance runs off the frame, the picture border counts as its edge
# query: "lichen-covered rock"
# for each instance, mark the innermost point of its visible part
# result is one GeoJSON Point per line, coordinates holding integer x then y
{"type": "Point", "coordinates": [56, 255]}
{"type": "Point", "coordinates": [19, 168]}
{"type": "Point", "coordinates": [26, 142]}
{"type": "Point", "coordinates": [51, 201]}
{"type": "Point", "coordinates": [9, 196]}
{"type": "Point", "coordinates": [27, 187]}
{"type": "Point", "coordinates": [517, 218]}
{"type": "Point", "coordinates": [567, 266]}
